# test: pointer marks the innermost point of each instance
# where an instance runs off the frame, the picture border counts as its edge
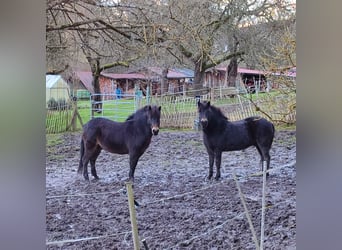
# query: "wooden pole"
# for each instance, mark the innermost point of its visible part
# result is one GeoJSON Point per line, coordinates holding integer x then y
{"type": "Point", "coordinates": [262, 230]}
{"type": "Point", "coordinates": [132, 215]}
{"type": "Point", "coordinates": [254, 237]}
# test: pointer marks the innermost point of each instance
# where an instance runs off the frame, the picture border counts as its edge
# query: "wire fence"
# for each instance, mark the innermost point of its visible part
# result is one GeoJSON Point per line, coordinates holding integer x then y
{"type": "Point", "coordinates": [179, 110]}
{"type": "Point", "coordinates": [187, 241]}
{"type": "Point", "coordinates": [58, 119]}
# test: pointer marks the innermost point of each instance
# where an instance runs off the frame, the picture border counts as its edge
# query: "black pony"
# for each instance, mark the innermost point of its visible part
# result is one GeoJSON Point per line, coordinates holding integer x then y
{"type": "Point", "coordinates": [220, 135]}
{"type": "Point", "coordinates": [130, 137]}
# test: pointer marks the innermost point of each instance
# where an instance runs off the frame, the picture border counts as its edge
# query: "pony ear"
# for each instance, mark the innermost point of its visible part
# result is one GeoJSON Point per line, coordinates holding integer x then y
{"type": "Point", "coordinates": [208, 103]}
{"type": "Point", "coordinates": [159, 108]}
{"type": "Point", "coordinates": [199, 103]}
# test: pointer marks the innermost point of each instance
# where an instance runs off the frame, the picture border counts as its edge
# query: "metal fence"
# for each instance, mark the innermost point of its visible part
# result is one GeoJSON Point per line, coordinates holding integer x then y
{"type": "Point", "coordinates": [179, 110]}
{"type": "Point", "coordinates": [114, 107]}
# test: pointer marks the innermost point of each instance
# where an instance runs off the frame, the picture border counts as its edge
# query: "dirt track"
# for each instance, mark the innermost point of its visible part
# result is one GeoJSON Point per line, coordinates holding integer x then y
{"type": "Point", "coordinates": [179, 208]}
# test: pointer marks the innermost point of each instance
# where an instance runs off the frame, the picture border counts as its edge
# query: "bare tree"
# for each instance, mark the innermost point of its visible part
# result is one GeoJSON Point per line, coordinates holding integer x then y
{"type": "Point", "coordinates": [195, 29]}
{"type": "Point", "coordinates": [97, 32]}
{"type": "Point", "coordinates": [195, 33]}
{"type": "Point", "coordinates": [277, 56]}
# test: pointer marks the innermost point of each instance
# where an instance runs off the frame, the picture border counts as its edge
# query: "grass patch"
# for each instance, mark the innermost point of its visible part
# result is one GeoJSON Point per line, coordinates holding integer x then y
{"type": "Point", "coordinates": [286, 127]}
{"type": "Point", "coordinates": [117, 110]}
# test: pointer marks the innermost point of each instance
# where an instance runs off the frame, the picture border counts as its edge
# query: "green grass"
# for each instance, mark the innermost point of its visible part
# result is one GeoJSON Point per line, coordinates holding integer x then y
{"type": "Point", "coordinates": [118, 110]}
{"type": "Point", "coordinates": [288, 127]}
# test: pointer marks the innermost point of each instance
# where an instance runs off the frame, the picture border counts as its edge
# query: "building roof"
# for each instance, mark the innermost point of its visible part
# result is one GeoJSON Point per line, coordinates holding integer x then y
{"type": "Point", "coordinates": [290, 73]}
{"type": "Point", "coordinates": [124, 76]}
{"type": "Point", "coordinates": [51, 80]}
{"type": "Point", "coordinates": [187, 72]}
{"type": "Point", "coordinates": [174, 73]}
{"type": "Point", "coordinates": [250, 71]}
{"type": "Point", "coordinates": [243, 70]}
{"type": "Point", "coordinates": [86, 79]}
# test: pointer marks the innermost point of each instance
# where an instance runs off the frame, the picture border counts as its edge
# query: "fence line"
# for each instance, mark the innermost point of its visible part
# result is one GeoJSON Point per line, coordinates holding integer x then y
{"type": "Point", "coordinates": [57, 120]}
{"type": "Point", "coordinates": [291, 164]}
{"type": "Point", "coordinates": [183, 194]}
{"type": "Point", "coordinates": [80, 195]}
{"type": "Point", "coordinates": [179, 110]}
{"type": "Point", "coordinates": [85, 239]}
{"type": "Point", "coordinates": [62, 118]}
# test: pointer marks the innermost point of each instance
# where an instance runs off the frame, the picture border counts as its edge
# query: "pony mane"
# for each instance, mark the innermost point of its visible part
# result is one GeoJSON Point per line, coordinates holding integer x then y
{"type": "Point", "coordinates": [218, 113]}
{"type": "Point", "coordinates": [137, 114]}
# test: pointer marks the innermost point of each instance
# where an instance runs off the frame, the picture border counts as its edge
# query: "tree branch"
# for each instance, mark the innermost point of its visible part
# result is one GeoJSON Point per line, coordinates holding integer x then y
{"type": "Point", "coordinates": [57, 71]}
{"type": "Point", "coordinates": [71, 25]}
{"type": "Point", "coordinates": [218, 61]}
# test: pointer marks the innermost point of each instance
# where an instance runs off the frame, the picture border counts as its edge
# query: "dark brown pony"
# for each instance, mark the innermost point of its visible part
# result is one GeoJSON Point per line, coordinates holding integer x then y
{"type": "Point", "coordinates": [130, 137]}
{"type": "Point", "coordinates": [220, 135]}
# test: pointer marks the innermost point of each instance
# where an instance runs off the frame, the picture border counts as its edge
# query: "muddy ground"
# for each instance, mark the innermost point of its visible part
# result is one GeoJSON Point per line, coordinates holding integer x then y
{"type": "Point", "coordinates": [179, 208]}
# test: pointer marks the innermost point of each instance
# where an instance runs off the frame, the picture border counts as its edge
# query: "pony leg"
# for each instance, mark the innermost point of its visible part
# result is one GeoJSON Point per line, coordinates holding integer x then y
{"type": "Point", "coordinates": [93, 160]}
{"type": "Point", "coordinates": [89, 150]}
{"type": "Point", "coordinates": [218, 156]}
{"type": "Point", "coordinates": [85, 160]}
{"type": "Point", "coordinates": [93, 169]}
{"type": "Point", "coordinates": [211, 163]}
{"type": "Point", "coordinates": [268, 160]}
{"type": "Point", "coordinates": [264, 156]}
{"type": "Point", "coordinates": [133, 161]}
{"type": "Point", "coordinates": [80, 165]}
{"type": "Point", "coordinates": [261, 157]}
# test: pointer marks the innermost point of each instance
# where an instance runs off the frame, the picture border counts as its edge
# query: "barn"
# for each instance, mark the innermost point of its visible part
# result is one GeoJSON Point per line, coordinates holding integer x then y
{"type": "Point", "coordinates": [57, 88]}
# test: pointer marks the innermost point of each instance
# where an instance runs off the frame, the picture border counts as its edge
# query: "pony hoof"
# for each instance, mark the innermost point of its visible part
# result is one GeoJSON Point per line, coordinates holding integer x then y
{"type": "Point", "coordinates": [217, 178]}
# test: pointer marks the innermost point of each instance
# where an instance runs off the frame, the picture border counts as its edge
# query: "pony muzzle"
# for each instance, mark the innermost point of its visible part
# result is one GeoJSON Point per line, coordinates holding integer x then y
{"type": "Point", "coordinates": [155, 130]}
{"type": "Point", "coordinates": [204, 122]}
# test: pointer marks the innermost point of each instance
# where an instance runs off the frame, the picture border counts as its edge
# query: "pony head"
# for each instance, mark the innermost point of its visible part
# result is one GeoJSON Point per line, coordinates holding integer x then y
{"type": "Point", "coordinates": [210, 114]}
{"type": "Point", "coordinates": [203, 109]}
{"type": "Point", "coordinates": [153, 118]}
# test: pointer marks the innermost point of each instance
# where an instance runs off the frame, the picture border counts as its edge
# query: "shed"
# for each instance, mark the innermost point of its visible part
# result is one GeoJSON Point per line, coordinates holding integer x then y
{"type": "Point", "coordinates": [57, 88]}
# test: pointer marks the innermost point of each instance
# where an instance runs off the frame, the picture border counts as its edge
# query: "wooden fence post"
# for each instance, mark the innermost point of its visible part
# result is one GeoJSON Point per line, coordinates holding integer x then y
{"type": "Point", "coordinates": [132, 215]}
{"type": "Point", "coordinates": [75, 115]}
{"type": "Point", "coordinates": [254, 237]}
{"type": "Point", "coordinates": [262, 230]}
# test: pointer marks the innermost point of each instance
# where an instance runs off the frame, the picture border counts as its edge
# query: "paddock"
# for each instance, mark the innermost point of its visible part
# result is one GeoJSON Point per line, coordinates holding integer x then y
{"type": "Point", "coordinates": [178, 208]}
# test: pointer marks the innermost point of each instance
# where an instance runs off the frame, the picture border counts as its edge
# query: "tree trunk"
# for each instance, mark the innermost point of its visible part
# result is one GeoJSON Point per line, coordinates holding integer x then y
{"type": "Point", "coordinates": [164, 82]}
{"type": "Point", "coordinates": [199, 74]}
{"type": "Point", "coordinates": [96, 71]}
{"type": "Point", "coordinates": [232, 71]}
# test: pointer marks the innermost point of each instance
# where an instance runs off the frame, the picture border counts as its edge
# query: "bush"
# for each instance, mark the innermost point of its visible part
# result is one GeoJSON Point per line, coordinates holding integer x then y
{"type": "Point", "coordinates": [60, 104]}
{"type": "Point", "coordinates": [52, 104]}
